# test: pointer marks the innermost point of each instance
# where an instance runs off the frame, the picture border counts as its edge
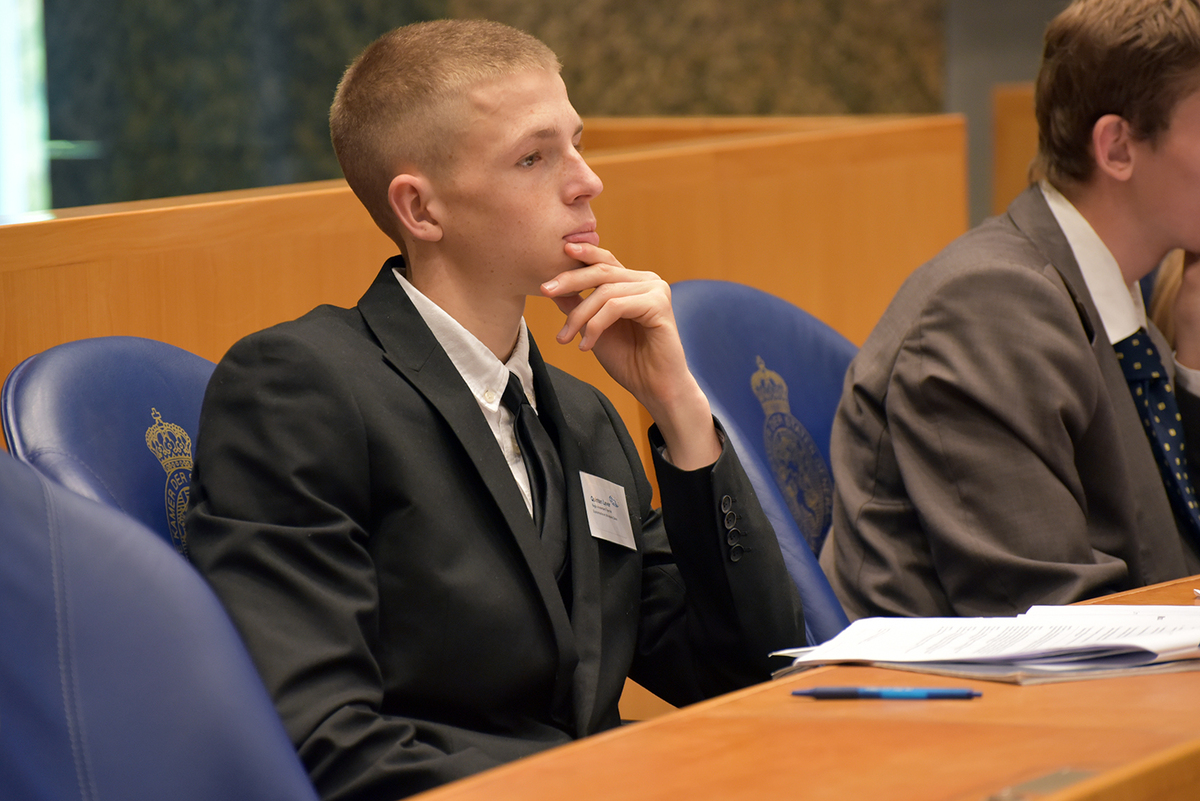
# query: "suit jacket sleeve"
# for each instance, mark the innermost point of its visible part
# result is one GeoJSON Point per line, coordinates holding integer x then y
{"type": "Point", "coordinates": [717, 598]}
{"type": "Point", "coordinates": [279, 526]}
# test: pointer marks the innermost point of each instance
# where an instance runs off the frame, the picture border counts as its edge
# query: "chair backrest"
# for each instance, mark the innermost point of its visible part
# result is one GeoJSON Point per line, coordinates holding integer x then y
{"type": "Point", "coordinates": [773, 374]}
{"type": "Point", "coordinates": [112, 418]}
{"type": "Point", "coordinates": [121, 676]}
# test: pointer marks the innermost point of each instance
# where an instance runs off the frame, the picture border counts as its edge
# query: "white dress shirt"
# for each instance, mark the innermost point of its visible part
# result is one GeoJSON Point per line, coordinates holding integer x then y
{"type": "Point", "coordinates": [485, 375]}
{"type": "Point", "coordinates": [1121, 307]}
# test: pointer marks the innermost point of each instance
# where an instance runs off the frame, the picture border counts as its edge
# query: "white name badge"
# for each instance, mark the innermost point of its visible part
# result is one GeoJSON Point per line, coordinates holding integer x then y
{"type": "Point", "coordinates": [608, 516]}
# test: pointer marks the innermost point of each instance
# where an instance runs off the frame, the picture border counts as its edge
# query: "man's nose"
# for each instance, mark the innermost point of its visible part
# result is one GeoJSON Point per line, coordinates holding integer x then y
{"type": "Point", "coordinates": [585, 183]}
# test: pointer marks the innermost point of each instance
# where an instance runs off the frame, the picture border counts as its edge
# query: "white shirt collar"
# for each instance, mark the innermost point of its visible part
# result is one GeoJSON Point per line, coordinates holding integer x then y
{"type": "Point", "coordinates": [485, 375]}
{"type": "Point", "coordinates": [1121, 308]}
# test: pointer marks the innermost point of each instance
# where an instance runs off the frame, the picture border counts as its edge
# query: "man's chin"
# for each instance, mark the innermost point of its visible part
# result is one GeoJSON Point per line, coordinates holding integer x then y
{"type": "Point", "coordinates": [565, 266]}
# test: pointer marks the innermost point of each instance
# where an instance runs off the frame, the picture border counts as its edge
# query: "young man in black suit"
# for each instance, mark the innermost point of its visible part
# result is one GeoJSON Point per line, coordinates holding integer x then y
{"type": "Point", "coordinates": [421, 602]}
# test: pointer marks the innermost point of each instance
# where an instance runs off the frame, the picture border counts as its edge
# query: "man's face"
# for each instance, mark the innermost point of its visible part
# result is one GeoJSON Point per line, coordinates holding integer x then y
{"type": "Point", "coordinates": [516, 188]}
{"type": "Point", "coordinates": [1167, 176]}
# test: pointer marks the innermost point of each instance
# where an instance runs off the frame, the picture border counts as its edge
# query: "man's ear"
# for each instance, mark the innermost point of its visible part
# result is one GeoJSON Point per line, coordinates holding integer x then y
{"type": "Point", "coordinates": [1113, 146]}
{"type": "Point", "coordinates": [411, 197]}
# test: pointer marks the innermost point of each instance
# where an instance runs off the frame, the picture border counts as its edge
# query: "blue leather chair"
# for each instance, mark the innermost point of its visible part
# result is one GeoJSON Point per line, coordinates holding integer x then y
{"type": "Point", "coordinates": [121, 676]}
{"type": "Point", "coordinates": [113, 419]}
{"type": "Point", "coordinates": [773, 374]}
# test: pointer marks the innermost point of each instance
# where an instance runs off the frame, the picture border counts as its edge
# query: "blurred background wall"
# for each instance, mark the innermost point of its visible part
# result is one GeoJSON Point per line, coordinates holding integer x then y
{"type": "Point", "coordinates": [152, 98]}
{"type": "Point", "coordinates": [989, 43]}
{"type": "Point", "coordinates": [750, 57]}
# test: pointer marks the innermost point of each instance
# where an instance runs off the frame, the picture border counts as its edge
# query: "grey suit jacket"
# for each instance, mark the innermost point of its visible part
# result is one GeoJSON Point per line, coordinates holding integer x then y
{"type": "Point", "coordinates": [351, 508]}
{"type": "Point", "coordinates": [987, 455]}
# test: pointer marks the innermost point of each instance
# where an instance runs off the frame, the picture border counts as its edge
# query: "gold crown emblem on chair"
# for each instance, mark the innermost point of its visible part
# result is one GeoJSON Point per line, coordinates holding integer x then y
{"type": "Point", "coordinates": [770, 389]}
{"type": "Point", "coordinates": [797, 464]}
{"type": "Point", "coordinates": [172, 446]}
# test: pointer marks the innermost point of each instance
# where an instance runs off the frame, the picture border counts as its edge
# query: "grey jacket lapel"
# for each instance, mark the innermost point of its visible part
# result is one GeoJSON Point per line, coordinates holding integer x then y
{"type": "Point", "coordinates": [1032, 216]}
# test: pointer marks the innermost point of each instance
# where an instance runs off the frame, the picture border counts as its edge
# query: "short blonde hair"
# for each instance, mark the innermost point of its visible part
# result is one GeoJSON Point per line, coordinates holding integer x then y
{"type": "Point", "coordinates": [1133, 58]}
{"type": "Point", "coordinates": [394, 105]}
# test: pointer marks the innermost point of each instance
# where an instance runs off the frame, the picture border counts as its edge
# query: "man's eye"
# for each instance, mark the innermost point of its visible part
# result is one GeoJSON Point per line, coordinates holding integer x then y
{"type": "Point", "coordinates": [530, 160]}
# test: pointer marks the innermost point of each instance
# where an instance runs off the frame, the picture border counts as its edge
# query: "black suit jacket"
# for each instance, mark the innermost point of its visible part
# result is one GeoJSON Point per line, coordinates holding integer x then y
{"type": "Point", "coordinates": [352, 509]}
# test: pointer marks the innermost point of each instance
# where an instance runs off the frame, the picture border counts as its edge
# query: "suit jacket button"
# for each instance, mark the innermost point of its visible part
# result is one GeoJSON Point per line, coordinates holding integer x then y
{"type": "Point", "coordinates": [735, 553]}
{"type": "Point", "coordinates": [726, 503]}
{"type": "Point", "coordinates": [733, 536]}
{"type": "Point", "coordinates": [730, 519]}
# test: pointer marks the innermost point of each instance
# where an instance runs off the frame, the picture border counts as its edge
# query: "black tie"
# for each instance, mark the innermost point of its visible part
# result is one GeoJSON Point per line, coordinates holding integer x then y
{"type": "Point", "coordinates": [1155, 402]}
{"type": "Point", "coordinates": [547, 486]}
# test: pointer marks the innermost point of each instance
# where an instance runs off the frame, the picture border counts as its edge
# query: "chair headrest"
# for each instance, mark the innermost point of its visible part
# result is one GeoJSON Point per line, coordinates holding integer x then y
{"type": "Point", "coordinates": [119, 670]}
{"type": "Point", "coordinates": [113, 419]}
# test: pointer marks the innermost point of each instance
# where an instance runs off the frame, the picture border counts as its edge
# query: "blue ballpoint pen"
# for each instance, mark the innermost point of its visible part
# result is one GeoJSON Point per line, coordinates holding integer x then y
{"type": "Point", "coordinates": [895, 693]}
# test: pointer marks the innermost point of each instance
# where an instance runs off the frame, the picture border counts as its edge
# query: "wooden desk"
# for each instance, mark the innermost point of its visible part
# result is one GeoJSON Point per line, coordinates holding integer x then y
{"type": "Point", "coordinates": [1139, 738]}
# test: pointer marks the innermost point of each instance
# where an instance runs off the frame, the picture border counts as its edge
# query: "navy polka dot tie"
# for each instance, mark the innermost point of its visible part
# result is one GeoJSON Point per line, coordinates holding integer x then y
{"type": "Point", "coordinates": [1155, 402]}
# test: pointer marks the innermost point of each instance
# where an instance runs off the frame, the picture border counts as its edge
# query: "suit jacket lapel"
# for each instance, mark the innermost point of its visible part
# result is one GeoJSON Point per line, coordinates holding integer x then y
{"type": "Point", "coordinates": [413, 351]}
{"type": "Point", "coordinates": [1033, 217]}
{"type": "Point", "coordinates": [586, 586]}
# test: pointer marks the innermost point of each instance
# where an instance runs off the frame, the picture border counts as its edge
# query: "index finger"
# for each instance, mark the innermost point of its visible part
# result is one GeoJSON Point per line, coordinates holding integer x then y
{"type": "Point", "coordinates": [590, 254]}
{"type": "Point", "coordinates": [599, 267]}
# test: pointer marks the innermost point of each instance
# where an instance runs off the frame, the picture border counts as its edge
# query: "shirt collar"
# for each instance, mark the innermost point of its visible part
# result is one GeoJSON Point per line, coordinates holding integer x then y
{"type": "Point", "coordinates": [485, 375]}
{"type": "Point", "coordinates": [1121, 308]}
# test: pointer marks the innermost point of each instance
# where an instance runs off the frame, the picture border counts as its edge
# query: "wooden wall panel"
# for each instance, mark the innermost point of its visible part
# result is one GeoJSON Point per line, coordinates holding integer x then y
{"type": "Point", "coordinates": [198, 275]}
{"type": "Point", "coordinates": [606, 133]}
{"type": "Point", "coordinates": [830, 213]}
{"type": "Point", "coordinates": [818, 217]}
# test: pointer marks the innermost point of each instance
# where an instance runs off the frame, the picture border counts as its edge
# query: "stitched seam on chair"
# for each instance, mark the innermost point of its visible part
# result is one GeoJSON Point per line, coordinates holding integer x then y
{"type": "Point", "coordinates": [66, 664]}
{"type": "Point", "coordinates": [111, 500]}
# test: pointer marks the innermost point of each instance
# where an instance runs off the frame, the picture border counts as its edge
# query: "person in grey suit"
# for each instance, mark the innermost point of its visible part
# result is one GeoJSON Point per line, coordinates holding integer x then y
{"type": "Point", "coordinates": [990, 452]}
{"type": "Point", "coordinates": [422, 602]}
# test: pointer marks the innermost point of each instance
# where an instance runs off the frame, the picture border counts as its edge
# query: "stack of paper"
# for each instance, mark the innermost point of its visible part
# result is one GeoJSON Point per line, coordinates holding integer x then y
{"type": "Point", "coordinates": [1048, 643]}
